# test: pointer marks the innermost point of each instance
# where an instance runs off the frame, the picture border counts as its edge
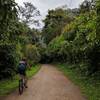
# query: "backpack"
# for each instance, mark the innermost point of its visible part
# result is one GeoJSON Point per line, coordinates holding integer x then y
{"type": "Point", "coordinates": [22, 67]}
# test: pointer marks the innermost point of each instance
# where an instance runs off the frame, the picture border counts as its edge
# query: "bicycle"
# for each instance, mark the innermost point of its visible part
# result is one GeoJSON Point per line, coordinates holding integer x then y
{"type": "Point", "coordinates": [21, 85]}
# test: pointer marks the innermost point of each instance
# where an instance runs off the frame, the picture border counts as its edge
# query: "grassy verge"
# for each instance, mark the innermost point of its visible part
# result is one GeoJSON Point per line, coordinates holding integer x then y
{"type": "Point", "coordinates": [7, 86]}
{"type": "Point", "coordinates": [89, 87]}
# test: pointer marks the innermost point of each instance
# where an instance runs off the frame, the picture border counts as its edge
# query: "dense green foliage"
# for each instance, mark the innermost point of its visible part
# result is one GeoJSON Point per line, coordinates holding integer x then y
{"type": "Point", "coordinates": [8, 55]}
{"type": "Point", "coordinates": [32, 53]}
{"type": "Point", "coordinates": [79, 38]}
{"type": "Point", "coordinates": [55, 20]}
{"type": "Point", "coordinates": [14, 36]}
{"type": "Point", "coordinates": [78, 45]}
{"type": "Point", "coordinates": [69, 36]}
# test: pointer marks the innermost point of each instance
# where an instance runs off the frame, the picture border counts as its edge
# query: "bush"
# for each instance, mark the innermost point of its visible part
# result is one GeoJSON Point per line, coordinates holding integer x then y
{"type": "Point", "coordinates": [32, 54]}
{"type": "Point", "coordinates": [8, 60]}
{"type": "Point", "coordinates": [54, 47]}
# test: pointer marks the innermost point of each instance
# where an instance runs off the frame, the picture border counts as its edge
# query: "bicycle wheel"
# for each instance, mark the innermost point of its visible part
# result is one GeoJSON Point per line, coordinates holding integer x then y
{"type": "Point", "coordinates": [21, 86]}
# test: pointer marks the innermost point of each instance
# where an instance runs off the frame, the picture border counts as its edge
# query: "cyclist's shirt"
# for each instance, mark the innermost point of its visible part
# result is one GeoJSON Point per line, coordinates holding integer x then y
{"type": "Point", "coordinates": [22, 67]}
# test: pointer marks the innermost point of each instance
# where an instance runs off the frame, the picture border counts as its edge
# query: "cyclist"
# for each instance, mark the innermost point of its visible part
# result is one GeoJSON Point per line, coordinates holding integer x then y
{"type": "Point", "coordinates": [22, 70]}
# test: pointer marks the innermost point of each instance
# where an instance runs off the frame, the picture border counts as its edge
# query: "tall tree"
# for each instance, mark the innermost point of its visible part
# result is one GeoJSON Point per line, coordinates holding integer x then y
{"type": "Point", "coordinates": [98, 17]}
{"type": "Point", "coordinates": [8, 12]}
{"type": "Point", "coordinates": [86, 6]}
{"type": "Point", "coordinates": [54, 22]}
{"type": "Point", "coordinates": [28, 12]}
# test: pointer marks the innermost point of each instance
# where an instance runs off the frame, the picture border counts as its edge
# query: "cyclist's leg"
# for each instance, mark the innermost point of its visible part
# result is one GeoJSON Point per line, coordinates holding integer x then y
{"type": "Point", "coordinates": [25, 79]}
{"type": "Point", "coordinates": [20, 76]}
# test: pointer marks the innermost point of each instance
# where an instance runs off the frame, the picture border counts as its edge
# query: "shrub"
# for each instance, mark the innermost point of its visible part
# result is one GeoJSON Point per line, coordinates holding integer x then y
{"type": "Point", "coordinates": [32, 54]}
{"type": "Point", "coordinates": [8, 60]}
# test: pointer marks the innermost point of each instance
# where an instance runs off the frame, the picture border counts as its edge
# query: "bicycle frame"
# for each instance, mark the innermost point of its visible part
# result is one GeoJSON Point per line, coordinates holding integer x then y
{"type": "Point", "coordinates": [21, 85]}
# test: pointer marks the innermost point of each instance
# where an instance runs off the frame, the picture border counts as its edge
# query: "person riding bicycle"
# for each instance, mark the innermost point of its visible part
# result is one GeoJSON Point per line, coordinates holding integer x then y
{"type": "Point", "coordinates": [22, 70]}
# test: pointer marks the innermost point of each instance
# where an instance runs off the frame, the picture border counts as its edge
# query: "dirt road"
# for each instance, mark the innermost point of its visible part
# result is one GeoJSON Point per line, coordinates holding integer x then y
{"type": "Point", "coordinates": [48, 84]}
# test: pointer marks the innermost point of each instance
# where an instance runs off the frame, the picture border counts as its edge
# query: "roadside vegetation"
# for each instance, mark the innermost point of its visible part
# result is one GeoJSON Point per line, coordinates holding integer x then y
{"type": "Point", "coordinates": [89, 86]}
{"type": "Point", "coordinates": [9, 85]}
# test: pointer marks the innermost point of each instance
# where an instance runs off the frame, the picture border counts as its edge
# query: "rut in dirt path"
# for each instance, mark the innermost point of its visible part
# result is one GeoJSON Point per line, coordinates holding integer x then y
{"type": "Point", "coordinates": [48, 84]}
